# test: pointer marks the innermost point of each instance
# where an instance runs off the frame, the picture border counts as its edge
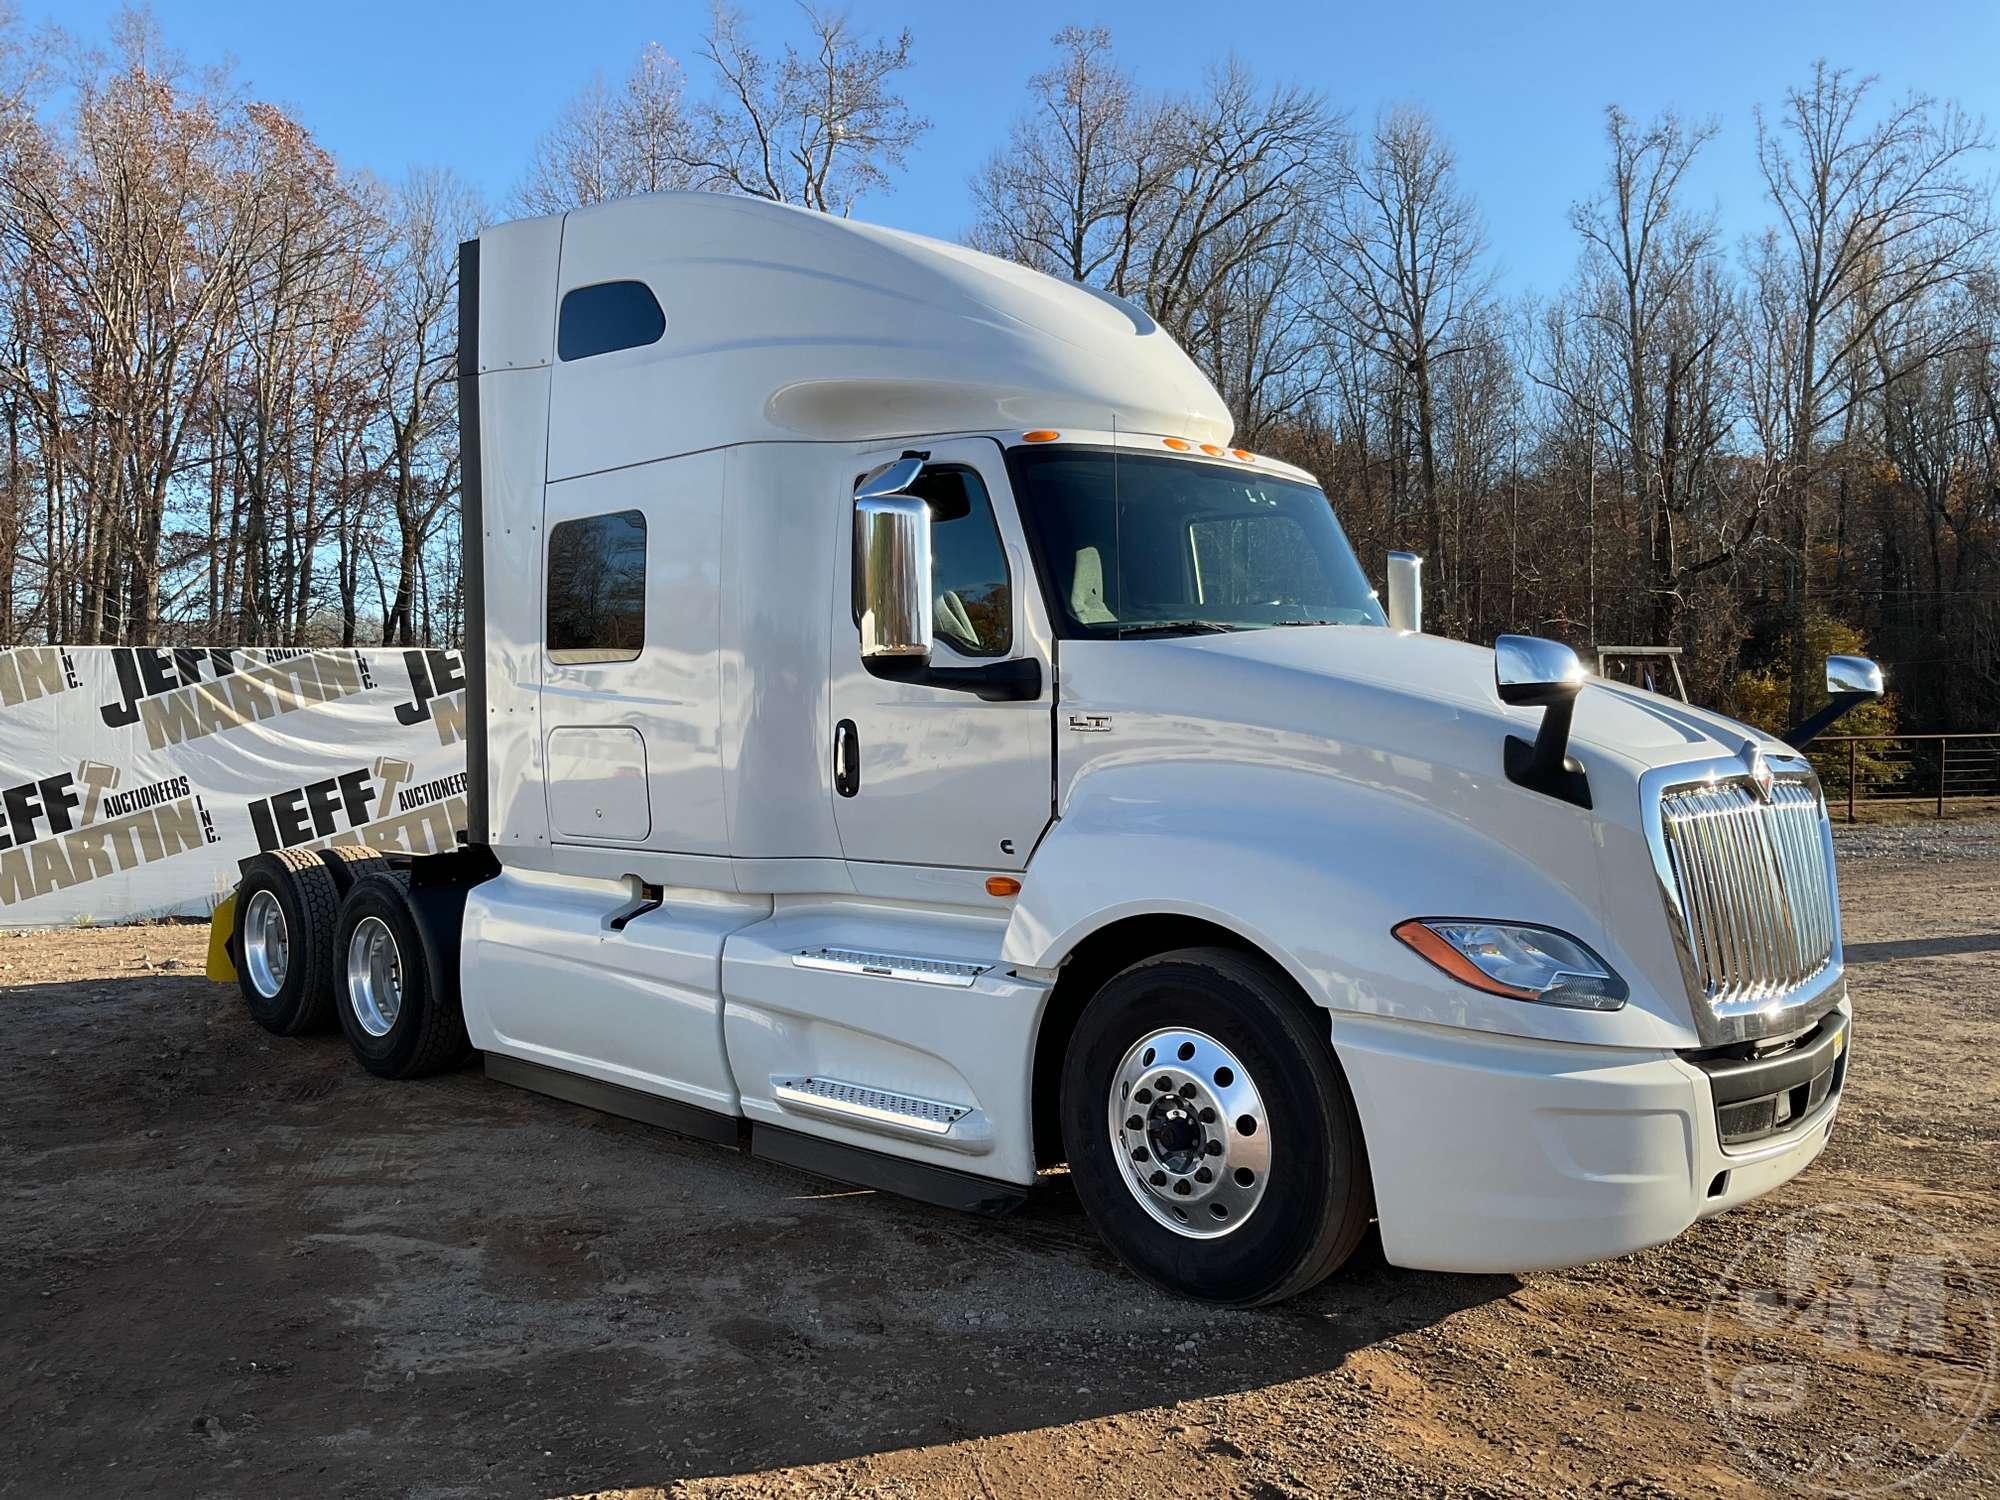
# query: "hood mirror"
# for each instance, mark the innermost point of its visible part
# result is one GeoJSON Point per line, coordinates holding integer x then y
{"type": "Point", "coordinates": [1853, 675]}
{"type": "Point", "coordinates": [1850, 682]}
{"type": "Point", "coordinates": [1406, 591]}
{"type": "Point", "coordinates": [1529, 672]}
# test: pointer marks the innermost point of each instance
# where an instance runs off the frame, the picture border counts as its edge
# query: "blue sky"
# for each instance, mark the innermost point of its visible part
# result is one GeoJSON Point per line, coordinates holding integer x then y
{"type": "Point", "coordinates": [1518, 87]}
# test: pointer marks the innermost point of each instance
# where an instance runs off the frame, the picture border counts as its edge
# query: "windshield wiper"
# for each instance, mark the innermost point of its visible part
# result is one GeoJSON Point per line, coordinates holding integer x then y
{"type": "Point", "coordinates": [1280, 624]}
{"type": "Point", "coordinates": [1174, 627]}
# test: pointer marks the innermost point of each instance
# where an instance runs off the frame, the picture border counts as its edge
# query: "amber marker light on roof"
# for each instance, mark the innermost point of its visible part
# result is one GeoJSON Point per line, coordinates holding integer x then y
{"type": "Point", "coordinates": [1179, 445]}
{"type": "Point", "coordinates": [1041, 435]}
{"type": "Point", "coordinates": [1243, 453]}
{"type": "Point", "coordinates": [1211, 450]}
{"type": "Point", "coordinates": [1002, 885]}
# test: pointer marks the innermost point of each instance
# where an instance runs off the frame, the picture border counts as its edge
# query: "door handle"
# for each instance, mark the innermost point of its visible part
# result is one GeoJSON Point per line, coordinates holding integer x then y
{"type": "Point", "coordinates": [846, 758]}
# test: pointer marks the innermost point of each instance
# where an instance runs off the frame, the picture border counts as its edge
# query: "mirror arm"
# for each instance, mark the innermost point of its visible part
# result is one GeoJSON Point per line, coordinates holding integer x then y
{"type": "Point", "coordinates": [1546, 766]}
{"type": "Point", "coordinates": [1838, 707]}
{"type": "Point", "coordinates": [1014, 681]}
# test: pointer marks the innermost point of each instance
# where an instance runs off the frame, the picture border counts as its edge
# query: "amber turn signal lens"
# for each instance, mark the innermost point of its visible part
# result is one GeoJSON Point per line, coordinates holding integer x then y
{"type": "Point", "coordinates": [1002, 885]}
{"type": "Point", "coordinates": [1041, 435]}
{"type": "Point", "coordinates": [1414, 934]}
{"type": "Point", "coordinates": [1179, 445]}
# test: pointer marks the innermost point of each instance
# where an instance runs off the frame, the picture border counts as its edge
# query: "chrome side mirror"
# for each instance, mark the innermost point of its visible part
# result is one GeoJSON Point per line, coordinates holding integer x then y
{"type": "Point", "coordinates": [892, 565]}
{"type": "Point", "coordinates": [1406, 591]}
{"type": "Point", "coordinates": [1852, 674]}
{"type": "Point", "coordinates": [1850, 682]}
{"type": "Point", "coordinates": [1530, 672]}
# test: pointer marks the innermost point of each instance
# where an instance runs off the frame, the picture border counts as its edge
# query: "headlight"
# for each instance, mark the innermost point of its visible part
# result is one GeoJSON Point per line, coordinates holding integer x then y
{"type": "Point", "coordinates": [1516, 960]}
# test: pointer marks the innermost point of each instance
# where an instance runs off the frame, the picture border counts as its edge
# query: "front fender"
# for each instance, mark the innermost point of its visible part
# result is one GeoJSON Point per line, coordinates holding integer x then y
{"type": "Point", "coordinates": [1314, 870]}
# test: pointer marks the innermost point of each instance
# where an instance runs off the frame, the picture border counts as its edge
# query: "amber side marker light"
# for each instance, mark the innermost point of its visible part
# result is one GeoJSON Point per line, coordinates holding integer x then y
{"type": "Point", "coordinates": [1002, 885]}
{"type": "Point", "coordinates": [1179, 445]}
{"type": "Point", "coordinates": [1041, 435]}
{"type": "Point", "coordinates": [1414, 934]}
{"type": "Point", "coordinates": [1211, 450]}
{"type": "Point", "coordinates": [1243, 453]}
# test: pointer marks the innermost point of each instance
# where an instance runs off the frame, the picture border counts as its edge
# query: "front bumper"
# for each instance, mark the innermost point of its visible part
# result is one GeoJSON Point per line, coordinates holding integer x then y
{"type": "Point", "coordinates": [1494, 1153]}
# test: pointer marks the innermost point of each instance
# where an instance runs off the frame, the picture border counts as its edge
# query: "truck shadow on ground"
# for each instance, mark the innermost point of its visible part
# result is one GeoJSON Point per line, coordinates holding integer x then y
{"type": "Point", "coordinates": [1930, 947]}
{"type": "Point", "coordinates": [236, 1253]}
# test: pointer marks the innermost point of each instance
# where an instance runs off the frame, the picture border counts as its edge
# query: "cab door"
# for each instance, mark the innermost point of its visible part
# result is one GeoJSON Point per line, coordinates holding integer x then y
{"type": "Point", "coordinates": [935, 775]}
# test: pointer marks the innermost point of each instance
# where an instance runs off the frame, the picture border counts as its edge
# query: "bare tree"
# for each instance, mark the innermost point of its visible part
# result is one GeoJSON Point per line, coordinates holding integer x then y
{"type": "Point", "coordinates": [416, 357]}
{"type": "Point", "coordinates": [1871, 217]}
{"type": "Point", "coordinates": [1650, 305]}
{"type": "Point", "coordinates": [611, 145]}
{"type": "Point", "coordinates": [1201, 208]}
{"type": "Point", "coordinates": [1065, 194]}
{"type": "Point", "coordinates": [1405, 266]}
{"type": "Point", "coordinates": [821, 127]}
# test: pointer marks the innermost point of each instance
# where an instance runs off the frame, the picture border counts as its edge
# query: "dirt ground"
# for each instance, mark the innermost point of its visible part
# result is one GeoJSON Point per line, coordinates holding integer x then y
{"type": "Point", "coordinates": [240, 1266]}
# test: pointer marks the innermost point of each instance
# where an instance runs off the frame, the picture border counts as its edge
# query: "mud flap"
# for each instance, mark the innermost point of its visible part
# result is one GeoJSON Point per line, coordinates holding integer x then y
{"type": "Point", "coordinates": [221, 930]}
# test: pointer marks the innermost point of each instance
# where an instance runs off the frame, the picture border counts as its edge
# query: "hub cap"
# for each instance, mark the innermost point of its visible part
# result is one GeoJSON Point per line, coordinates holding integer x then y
{"type": "Point", "coordinates": [374, 976]}
{"type": "Point", "coordinates": [1190, 1133]}
{"type": "Point", "coordinates": [267, 944]}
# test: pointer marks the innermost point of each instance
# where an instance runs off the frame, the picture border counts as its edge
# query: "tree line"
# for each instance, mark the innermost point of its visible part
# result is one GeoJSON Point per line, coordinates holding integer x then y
{"type": "Point", "coordinates": [226, 361]}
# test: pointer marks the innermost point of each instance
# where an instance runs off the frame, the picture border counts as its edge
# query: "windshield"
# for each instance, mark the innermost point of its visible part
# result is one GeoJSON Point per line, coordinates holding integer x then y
{"type": "Point", "coordinates": [1133, 544]}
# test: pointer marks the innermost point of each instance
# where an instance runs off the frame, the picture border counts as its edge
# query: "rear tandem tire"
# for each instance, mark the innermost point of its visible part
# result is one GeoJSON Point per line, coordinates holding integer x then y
{"type": "Point", "coordinates": [401, 1019]}
{"type": "Point", "coordinates": [347, 863]}
{"type": "Point", "coordinates": [285, 913]}
{"type": "Point", "coordinates": [1251, 1043]}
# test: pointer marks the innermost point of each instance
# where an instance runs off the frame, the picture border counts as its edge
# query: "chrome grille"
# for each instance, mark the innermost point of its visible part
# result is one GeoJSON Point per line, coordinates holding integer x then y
{"type": "Point", "coordinates": [1756, 892]}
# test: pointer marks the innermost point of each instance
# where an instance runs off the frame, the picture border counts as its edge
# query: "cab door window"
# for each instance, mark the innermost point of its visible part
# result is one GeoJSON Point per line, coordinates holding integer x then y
{"type": "Point", "coordinates": [972, 596]}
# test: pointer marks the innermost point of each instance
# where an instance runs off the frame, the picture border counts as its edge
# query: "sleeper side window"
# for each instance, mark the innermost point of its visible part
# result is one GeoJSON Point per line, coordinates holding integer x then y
{"type": "Point", "coordinates": [972, 606]}
{"type": "Point", "coordinates": [611, 315]}
{"type": "Point", "coordinates": [597, 589]}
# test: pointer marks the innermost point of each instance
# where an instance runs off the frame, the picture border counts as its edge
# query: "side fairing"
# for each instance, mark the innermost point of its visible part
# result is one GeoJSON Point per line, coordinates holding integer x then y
{"type": "Point", "coordinates": [512, 417]}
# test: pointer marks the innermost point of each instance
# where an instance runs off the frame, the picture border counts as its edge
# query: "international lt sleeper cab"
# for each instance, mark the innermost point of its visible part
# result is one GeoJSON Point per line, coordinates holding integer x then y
{"type": "Point", "coordinates": [907, 739]}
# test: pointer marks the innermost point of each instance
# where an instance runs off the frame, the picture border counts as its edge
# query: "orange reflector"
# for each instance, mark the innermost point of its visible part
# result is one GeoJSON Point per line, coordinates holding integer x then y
{"type": "Point", "coordinates": [1211, 450]}
{"type": "Point", "coordinates": [1002, 885]}
{"type": "Point", "coordinates": [1040, 435]}
{"type": "Point", "coordinates": [1179, 445]}
{"type": "Point", "coordinates": [1243, 453]}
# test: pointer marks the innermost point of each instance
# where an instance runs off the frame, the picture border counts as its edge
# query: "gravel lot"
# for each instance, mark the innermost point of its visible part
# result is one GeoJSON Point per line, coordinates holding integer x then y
{"type": "Point", "coordinates": [236, 1265]}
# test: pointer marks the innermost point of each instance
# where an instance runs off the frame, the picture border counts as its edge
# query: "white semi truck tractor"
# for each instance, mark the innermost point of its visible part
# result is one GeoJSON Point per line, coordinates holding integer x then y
{"type": "Point", "coordinates": [908, 741]}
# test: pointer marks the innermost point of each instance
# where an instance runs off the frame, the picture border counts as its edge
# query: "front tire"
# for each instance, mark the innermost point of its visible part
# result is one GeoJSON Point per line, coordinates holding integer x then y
{"type": "Point", "coordinates": [401, 1019]}
{"type": "Point", "coordinates": [1211, 1135]}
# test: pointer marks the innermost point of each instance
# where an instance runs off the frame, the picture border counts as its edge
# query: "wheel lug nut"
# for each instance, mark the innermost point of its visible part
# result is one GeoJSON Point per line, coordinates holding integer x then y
{"type": "Point", "coordinates": [1204, 1175]}
{"type": "Point", "coordinates": [1158, 1179]}
{"type": "Point", "coordinates": [1213, 1148]}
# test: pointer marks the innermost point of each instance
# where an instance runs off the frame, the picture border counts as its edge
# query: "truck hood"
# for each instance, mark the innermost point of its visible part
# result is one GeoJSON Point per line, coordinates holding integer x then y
{"type": "Point", "coordinates": [1324, 693]}
{"type": "Point", "coordinates": [1367, 765]}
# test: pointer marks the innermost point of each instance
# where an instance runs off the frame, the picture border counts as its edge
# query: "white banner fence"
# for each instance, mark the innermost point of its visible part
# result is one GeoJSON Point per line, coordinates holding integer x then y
{"type": "Point", "coordinates": [133, 779]}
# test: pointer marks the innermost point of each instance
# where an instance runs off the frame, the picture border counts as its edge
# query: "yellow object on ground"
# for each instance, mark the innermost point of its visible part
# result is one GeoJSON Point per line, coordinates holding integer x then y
{"type": "Point", "coordinates": [221, 922]}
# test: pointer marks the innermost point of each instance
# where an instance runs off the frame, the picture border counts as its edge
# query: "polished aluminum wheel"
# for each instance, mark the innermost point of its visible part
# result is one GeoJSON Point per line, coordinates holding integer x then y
{"type": "Point", "coordinates": [1189, 1129]}
{"type": "Point", "coordinates": [374, 976]}
{"type": "Point", "coordinates": [267, 944]}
